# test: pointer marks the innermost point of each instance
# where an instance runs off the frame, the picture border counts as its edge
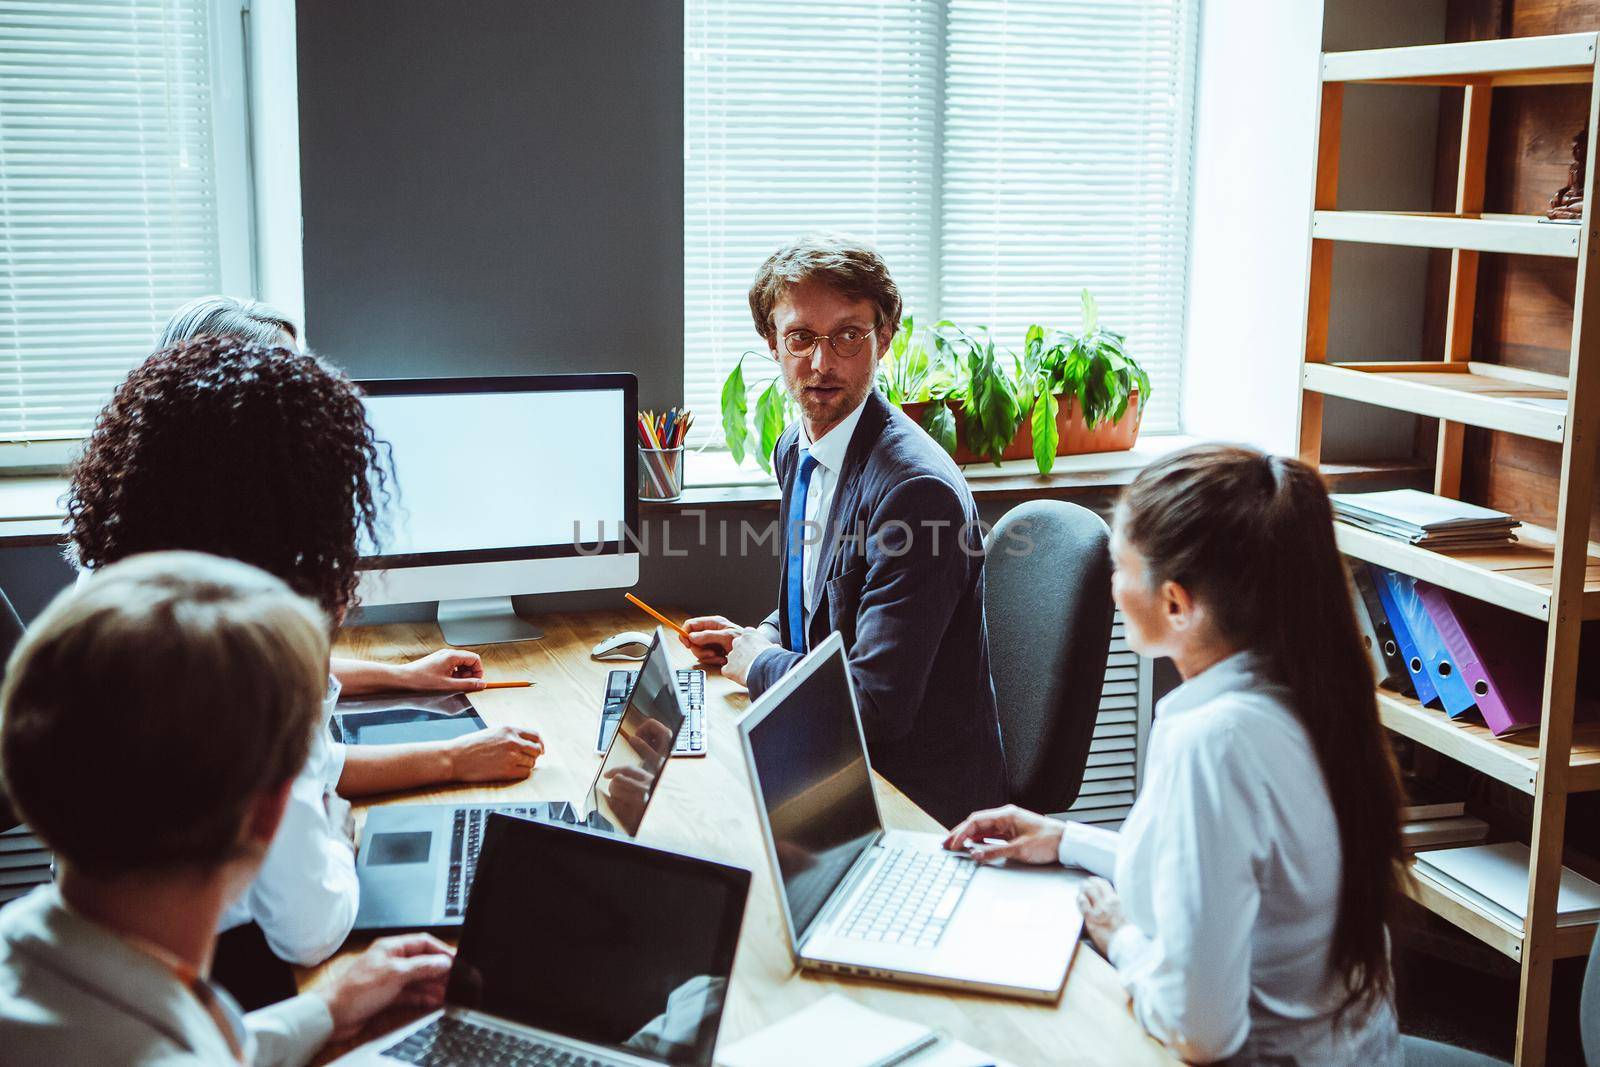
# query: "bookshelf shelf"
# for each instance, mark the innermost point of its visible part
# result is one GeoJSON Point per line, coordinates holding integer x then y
{"type": "Point", "coordinates": [1518, 577]}
{"type": "Point", "coordinates": [1561, 59]}
{"type": "Point", "coordinates": [1474, 394]}
{"type": "Point", "coordinates": [1468, 915]}
{"type": "Point", "coordinates": [1552, 575]}
{"type": "Point", "coordinates": [1522, 235]}
{"type": "Point", "coordinates": [1513, 759]}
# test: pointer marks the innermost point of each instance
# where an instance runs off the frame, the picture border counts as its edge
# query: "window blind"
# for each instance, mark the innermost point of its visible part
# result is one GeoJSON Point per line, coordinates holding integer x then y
{"type": "Point", "coordinates": [1003, 155]}
{"type": "Point", "coordinates": [108, 213]}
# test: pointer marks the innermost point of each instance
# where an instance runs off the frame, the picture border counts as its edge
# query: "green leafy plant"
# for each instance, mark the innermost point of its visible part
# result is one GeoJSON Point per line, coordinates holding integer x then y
{"type": "Point", "coordinates": [994, 389]}
{"type": "Point", "coordinates": [771, 416]}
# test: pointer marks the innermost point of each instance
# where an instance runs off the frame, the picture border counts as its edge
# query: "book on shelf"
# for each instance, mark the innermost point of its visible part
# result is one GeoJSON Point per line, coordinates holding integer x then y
{"type": "Point", "coordinates": [1437, 833]}
{"type": "Point", "coordinates": [1425, 519]}
{"type": "Point", "coordinates": [1426, 799]}
{"type": "Point", "coordinates": [1495, 877]}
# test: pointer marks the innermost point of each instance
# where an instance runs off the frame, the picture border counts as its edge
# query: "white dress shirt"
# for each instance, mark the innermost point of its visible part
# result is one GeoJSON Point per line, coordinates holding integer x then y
{"type": "Point", "coordinates": [304, 897]}
{"type": "Point", "coordinates": [829, 454]}
{"type": "Point", "coordinates": [1228, 867]}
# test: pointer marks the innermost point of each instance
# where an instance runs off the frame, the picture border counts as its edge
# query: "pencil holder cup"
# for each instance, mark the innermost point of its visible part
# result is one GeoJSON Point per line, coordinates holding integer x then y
{"type": "Point", "coordinates": [660, 473]}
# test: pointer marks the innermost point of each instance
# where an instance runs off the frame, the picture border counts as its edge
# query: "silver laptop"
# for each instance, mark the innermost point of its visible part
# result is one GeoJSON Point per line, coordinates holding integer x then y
{"type": "Point", "coordinates": [890, 904]}
{"type": "Point", "coordinates": [581, 949]}
{"type": "Point", "coordinates": [416, 862]}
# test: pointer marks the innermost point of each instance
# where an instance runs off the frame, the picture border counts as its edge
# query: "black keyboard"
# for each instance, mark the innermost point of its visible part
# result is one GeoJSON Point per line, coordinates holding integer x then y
{"type": "Point", "coordinates": [691, 682]}
{"type": "Point", "coordinates": [452, 1042]}
{"type": "Point", "coordinates": [466, 838]}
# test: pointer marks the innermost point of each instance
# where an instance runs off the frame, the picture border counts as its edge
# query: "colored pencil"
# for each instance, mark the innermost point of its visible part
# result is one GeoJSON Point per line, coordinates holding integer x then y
{"type": "Point", "coordinates": [653, 613]}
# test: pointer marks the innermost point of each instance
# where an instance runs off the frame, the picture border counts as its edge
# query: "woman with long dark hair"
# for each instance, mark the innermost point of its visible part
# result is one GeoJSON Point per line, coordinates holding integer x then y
{"type": "Point", "coordinates": [1255, 874]}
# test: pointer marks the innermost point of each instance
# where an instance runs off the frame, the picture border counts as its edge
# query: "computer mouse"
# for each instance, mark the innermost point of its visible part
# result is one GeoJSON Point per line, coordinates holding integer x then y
{"type": "Point", "coordinates": [628, 645]}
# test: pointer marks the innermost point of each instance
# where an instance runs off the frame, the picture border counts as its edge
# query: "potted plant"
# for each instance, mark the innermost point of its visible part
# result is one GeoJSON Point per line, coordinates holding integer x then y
{"type": "Point", "coordinates": [1066, 394]}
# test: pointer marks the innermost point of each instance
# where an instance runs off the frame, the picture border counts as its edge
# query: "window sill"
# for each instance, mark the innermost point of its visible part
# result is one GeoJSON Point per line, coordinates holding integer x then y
{"type": "Point", "coordinates": [715, 481]}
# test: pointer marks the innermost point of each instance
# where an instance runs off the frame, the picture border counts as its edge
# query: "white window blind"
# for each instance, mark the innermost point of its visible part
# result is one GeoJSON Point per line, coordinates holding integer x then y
{"type": "Point", "coordinates": [108, 196]}
{"type": "Point", "coordinates": [1003, 155]}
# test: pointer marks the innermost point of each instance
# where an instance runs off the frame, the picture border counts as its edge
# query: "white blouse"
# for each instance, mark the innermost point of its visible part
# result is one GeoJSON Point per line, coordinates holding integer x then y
{"type": "Point", "coordinates": [304, 897]}
{"type": "Point", "coordinates": [1228, 868]}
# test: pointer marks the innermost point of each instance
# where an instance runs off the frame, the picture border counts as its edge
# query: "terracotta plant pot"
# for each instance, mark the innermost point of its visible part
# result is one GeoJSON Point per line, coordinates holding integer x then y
{"type": "Point", "coordinates": [1072, 436]}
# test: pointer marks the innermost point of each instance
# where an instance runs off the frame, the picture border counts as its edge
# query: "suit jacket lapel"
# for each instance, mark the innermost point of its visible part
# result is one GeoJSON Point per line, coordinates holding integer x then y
{"type": "Point", "coordinates": [847, 494]}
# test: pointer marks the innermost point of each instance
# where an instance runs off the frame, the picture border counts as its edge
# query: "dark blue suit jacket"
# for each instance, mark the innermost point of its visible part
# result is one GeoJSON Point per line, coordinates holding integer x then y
{"type": "Point", "coordinates": [901, 579]}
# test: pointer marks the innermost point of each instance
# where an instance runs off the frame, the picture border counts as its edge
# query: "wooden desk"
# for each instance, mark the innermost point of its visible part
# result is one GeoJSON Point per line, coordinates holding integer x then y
{"type": "Point", "coordinates": [704, 807]}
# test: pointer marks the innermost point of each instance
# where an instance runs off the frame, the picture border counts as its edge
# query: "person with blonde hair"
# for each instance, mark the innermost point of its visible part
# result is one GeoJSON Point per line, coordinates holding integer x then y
{"type": "Point", "coordinates": [198, 683]}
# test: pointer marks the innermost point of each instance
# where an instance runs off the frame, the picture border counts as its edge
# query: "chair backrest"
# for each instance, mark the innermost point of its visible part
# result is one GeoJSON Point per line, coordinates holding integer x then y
{"type": "Point", "coordinates": [1047, 603]}
{"type": "Point", "coordinates": [1589, 1007]}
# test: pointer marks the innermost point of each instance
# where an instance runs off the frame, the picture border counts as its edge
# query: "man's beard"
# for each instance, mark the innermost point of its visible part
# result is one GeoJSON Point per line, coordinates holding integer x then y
{"type": "Point", "coordinates": [827, 412]}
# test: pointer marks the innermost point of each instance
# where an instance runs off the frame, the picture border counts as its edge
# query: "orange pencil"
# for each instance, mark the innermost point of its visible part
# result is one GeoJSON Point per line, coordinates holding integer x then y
{"type": "Point", "coordinates": [654, 614]}
{"type": "Point", "coordinates": [506, 685]}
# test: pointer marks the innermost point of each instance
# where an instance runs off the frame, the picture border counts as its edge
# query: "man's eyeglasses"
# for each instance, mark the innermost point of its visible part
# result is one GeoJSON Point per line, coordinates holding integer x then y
{"type": "Point", "coordinates": [848, 341]}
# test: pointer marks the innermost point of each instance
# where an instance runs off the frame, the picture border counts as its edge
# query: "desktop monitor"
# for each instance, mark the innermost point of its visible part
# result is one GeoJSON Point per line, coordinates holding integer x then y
{"type": "Point", "coordinates": [501, 486]}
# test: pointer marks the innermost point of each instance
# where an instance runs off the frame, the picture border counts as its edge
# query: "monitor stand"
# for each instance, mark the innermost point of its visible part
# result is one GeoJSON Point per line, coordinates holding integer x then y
{"type": "Point", "coordinates": [487, 620]}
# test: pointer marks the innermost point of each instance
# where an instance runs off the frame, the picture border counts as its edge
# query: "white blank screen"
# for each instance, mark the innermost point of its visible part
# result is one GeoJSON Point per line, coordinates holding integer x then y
{"type": "Point", "coordinates": [502, 470]}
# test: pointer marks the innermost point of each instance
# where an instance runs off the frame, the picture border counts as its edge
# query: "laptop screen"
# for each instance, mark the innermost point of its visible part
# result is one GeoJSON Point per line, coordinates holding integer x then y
{"type": "Point", "coordinates": [643, 743]}
{"type": "Point", "coordinates": [598, 939]}
{"type": "Point", "coordinates": [815, 785]}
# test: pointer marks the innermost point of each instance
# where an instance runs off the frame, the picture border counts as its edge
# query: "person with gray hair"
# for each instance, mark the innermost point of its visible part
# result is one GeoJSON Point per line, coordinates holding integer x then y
{"type": "Point", "coordinates": [881, 539]}
{"type": "Point", "coordinates": [224, 316]}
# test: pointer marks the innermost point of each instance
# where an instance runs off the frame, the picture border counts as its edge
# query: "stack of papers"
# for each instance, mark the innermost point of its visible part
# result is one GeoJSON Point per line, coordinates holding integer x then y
{"type": "Point", "coordinates": [1431, 833]}
{"type": "Point", "coordinates": [1495, 877]}
{"type": "Point", "coordinates": [841, 1033]}
{"type": "Point", "coordinates": [1425, 520]}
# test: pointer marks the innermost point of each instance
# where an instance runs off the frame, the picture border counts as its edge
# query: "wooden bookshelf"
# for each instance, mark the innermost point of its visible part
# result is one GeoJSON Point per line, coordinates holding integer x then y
{"type": "Point", "coordinates": [1552, 575]}
{"type": "Point", "coordinates": [1521, 235]}
{"type": "Point", "coordinates": [1513, 759]}
{"type": "Point", "coordinates": [1519, 577]}
{"type": "Point", "coordinates": [1488, 927]}
{"type": "Point", "coordinates": [1473, 394]}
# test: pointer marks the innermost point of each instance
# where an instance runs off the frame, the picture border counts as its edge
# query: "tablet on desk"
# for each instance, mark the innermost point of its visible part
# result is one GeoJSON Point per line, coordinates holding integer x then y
{"type": "Point", "coordinates": [403, 718]}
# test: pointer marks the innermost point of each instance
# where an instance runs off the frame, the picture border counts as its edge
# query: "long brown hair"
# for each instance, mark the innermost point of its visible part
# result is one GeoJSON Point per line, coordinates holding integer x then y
{"type": "Point", "coordinates": [1250, 536]}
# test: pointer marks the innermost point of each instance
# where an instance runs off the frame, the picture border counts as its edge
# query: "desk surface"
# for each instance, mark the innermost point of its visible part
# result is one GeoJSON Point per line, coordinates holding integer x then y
{"type": "Point", "coordinates": [704, 807]}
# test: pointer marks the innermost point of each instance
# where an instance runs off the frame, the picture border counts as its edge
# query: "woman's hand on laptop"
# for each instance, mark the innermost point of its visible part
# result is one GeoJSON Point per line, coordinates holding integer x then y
{"type": "Point", "coordinates": [495, 754]}
{"type": "Point", "coordinates": [407, 971]}
{"type": "Point", "coordinates": [1008, 833]}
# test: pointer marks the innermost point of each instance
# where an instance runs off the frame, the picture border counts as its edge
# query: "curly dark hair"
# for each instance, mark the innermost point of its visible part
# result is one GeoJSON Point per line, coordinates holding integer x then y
{"type": "Point", "coordinates": [241, 450]}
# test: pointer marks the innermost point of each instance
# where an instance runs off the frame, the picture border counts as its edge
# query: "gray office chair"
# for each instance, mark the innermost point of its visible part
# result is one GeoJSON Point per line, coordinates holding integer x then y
{"type": "Point", "coordinates": [1048, 610]}
{"type": "Point", "coordinates": [1420, 1052]}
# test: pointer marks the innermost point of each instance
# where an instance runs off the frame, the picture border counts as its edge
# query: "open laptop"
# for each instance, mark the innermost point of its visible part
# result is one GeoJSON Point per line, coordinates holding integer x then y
{"type": "Point", "coordinates": [416, 861]}
{"type": "Point", "coordinates": [891, 904]}
{"type": "Point", "coordinates": [575, 952]}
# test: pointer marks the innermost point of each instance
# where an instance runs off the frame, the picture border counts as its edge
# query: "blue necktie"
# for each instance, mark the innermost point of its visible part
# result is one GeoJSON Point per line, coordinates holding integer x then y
{"type": "Point", "coordinates": [794, 546]}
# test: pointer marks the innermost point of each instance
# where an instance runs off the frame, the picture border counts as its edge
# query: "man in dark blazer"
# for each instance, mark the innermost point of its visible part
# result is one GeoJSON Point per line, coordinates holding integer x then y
{"type": "Point", "coordinates": [880, 539]}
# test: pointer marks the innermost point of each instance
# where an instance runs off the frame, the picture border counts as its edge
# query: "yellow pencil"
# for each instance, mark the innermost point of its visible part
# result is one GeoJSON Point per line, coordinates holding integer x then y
{"type": "Point", "coordinates": [506, 685]}
{"type": "Point", "coordinates": [653, 613]}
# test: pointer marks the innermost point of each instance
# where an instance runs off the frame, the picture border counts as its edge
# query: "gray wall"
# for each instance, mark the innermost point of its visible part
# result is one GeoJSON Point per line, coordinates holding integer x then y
{"type": "Point", "coordinates": [494, 187]}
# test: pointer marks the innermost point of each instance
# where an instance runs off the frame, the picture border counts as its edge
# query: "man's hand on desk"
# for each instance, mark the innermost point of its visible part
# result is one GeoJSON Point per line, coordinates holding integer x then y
{"type": "Point", "coordinates": [710, 638]}
{"type": "Point", "coordinates": [497, 754]}
{"type": "Point", "coordinates": [746, 647]}
{"type": "Point", "coordinates": [407, 971]}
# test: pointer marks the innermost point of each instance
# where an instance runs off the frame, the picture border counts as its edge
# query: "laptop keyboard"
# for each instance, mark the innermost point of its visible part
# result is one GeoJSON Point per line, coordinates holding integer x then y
{"type": "Point", "coordinates": [691, 682]}
{"type": "Point", "coordinates": [466, 838]}
{"type": "Point", "coordinates": [452, 1042]}
{"type": "Point", "coordinates": [911, 898]}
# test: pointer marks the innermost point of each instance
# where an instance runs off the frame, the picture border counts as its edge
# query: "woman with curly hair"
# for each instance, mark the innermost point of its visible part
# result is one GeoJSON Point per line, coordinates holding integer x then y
{"type": "Point", "coordinates": [263, 454]}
